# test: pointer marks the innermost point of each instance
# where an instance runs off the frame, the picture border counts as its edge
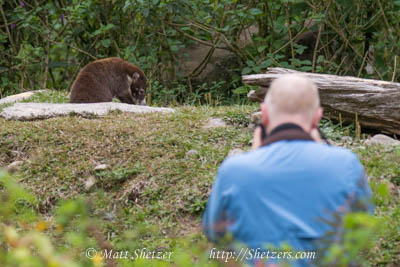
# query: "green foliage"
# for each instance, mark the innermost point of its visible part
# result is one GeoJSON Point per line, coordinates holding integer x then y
{"type": "Point", "coordinates": [336, 131]}
{"type": "Point", "coordinates": [44, 45]}
{"type": "Point", "coordinates": [16, 202]}
{"type": "Point", "coordinates": [202, 94]}
{"type": "Point", "coordinates": [73, 237]}
{"type": "Point", "coordinates": [49, 96]}
{"type": "Point", "coordinates": [359, 233]}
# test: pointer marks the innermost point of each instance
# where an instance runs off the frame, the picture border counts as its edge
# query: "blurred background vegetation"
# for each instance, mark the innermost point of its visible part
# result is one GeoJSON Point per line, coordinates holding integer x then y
{"type": "Point", "coordinates": [192, 51]}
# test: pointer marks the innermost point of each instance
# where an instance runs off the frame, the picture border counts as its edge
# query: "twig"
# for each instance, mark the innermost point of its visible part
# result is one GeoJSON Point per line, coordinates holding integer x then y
{"type": "Point", "coordinates": [385, 18]}
{"type": "Point", "coordinates": [288, 43]}
{"type": "Point", "coordinates": [362, 65]}
{"type": "Point", "coordinates": [76, 48]}
{"type": "Point", "coordinates": [345, 71]}
{"type": "Point", "coordinates": [83, 60]}
{"type": "Point", "coordinates": [7, 30]}
{"type": "Point", "coordinates": [171, 54]}
{"type": "Point", "coordinates": [213, 30]}
{"type": "Point", "coordinates": [196, 39]}
{"type": "Point", "coordinates": [117, 48]}
{"type": "Point", "coordinates": [340, 65]}
{"type": "Point", "coordinates": [353, 48]}
{"type": "Point", "coordinates": [316, 48]}
{"type": "Point", "coordinates": [290, 35]}
{"type": "Point", "coordinates": [203, 63]}
{"type": "Point", "coordinates": [46, 70]}
{"type": "Point", "coordinates": [394, 68]}
{"type": "Point", "coordinates": [8, 24]}
{"type": "Point", "coordinates": [328, 43]}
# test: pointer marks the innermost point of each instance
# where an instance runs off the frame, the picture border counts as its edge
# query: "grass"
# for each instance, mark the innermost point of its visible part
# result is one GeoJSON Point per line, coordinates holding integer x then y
{"type": "Point", "coordinates": [149, 170]}
{"type": "Point", "coordinates": [151, 182]}
{"type": "Point", "coordinates": [49, 96]}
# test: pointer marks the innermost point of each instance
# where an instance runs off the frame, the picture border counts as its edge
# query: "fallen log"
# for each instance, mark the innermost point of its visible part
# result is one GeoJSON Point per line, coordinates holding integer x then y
{"type": "Point", "coordinates": [376, 103]}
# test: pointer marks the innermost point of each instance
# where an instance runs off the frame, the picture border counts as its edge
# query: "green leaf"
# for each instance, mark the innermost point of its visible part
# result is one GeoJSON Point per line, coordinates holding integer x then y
{"type": "Point", "coordinates": [127, 5]}
{"type": "Point", "coordinates": [226, 28]}
{"type": "Point", "coordinates": [306, 68]}
{"type": "Point", "coordinates": [299, 49]}
{"type": "Point", "coordinates": [250, 63]}
{"type": "Point", "coordinates": [266, 63]}
{"type": "Point", "coordinates": [174, 48]}
{"type": "Point", "coordinates": [106, 43]}
{"type": "Point", "coordinates": [255, 11]}
{"type": "Point", "coordinates": [261, 48]}
{"type": "Point", "coordinates": [108, 27]}
{"type": "Point", "coordinates": [215, 5]}
{"type": "Point", "coordinates": [246, 70]}
{"type": "Point", "coordinates": [146, 12]}
{"type": "Point", "coordinates": [383, 191]}
{"type": "Point", "coordinates": [241, 90]}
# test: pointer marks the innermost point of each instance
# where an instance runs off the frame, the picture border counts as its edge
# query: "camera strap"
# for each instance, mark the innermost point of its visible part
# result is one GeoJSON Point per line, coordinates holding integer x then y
{"type": "Point", "coordinates": [286, 131]}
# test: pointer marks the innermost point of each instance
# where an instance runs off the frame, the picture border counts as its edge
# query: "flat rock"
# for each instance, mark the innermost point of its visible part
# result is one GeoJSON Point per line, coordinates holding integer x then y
{"type": "Point", "coordinates": [101, 167]}
{"type": "Point", "coordinates": [15, 166]}
{"type": "Point", "coordinates": [381, 139]}
{"type": "Point", "coordinates": [89, 183]}
{"type": "Point", "coordinates": [19, 97]}
{"type": "Point", "coordinates": [37, 111]}
{"type": "Point", "coordinates": [215, 123]}
{"type": "Point", "coordinates": [346, 139]}
{"type": "Point", "coordinates": [192, 152]}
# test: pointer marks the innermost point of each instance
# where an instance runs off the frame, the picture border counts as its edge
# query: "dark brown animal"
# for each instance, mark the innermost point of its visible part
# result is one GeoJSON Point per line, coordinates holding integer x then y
{"type": "Point", "coordinates": [104, 79]}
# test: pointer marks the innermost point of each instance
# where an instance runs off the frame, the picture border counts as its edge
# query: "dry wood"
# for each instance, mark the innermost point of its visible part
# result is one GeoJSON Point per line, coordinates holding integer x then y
{"type": "Point", "coordinates": [377, 103]}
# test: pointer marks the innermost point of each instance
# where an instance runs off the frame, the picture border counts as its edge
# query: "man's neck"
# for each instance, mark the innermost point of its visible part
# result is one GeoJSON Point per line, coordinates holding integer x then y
{"type": "Point", "coordinates": [272, 125]}
{"type": "Point", "coordinates": [286, 126]}
{"type": "Point", "coordinates": [287, 131]}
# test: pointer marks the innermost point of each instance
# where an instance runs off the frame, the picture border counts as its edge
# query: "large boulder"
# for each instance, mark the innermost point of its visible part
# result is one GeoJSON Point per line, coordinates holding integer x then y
{"type": "Point", "coordinates": [383, 140]}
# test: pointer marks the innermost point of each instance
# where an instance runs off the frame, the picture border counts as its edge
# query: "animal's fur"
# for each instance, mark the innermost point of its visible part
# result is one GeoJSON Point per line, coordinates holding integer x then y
{"type": "Point", "coordinates": [103, 79]}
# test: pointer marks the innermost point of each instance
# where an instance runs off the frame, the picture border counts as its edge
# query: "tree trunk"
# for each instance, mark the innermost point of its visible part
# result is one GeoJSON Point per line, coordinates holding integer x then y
{"type": "Point", "coordinates": [376, 103]}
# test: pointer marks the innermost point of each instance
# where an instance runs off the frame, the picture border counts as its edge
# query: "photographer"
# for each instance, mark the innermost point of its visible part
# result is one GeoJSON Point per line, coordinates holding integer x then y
{"type": "Point", "coordinates": [290, 183]}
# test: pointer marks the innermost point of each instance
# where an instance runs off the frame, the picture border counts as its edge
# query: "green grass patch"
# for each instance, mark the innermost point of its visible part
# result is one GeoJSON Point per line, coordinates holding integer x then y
{"type": "Point", "coordinates": [149, 169]}
{"type": "Point", "coordinates": [49, 96]}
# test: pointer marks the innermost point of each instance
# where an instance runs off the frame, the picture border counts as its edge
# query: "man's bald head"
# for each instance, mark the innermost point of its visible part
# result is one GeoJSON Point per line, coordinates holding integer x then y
{"type": "Point", "coordinates": [292, 95]}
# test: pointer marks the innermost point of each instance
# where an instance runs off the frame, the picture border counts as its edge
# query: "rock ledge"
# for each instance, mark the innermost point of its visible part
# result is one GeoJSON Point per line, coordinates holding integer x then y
{"type": "Point", "coordinates": [37, 111]}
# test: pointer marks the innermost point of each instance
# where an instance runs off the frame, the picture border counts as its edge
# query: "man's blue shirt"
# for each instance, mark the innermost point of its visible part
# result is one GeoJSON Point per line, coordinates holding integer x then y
{"type": "Point", "coordinates": [282, 192]}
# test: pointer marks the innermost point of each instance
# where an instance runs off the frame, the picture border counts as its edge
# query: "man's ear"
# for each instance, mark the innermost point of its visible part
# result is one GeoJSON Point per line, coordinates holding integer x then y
{"type": "Point", "coordinates": [317, 117]}
{"type": "Point", "coordinates": [264, 114]}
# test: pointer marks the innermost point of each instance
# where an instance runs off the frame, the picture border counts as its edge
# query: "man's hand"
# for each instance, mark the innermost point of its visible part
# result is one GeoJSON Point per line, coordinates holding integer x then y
{"type": "Point", "coordinates": [314, 133]}
{"type": "Point", "coordinates": [257, 138]}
